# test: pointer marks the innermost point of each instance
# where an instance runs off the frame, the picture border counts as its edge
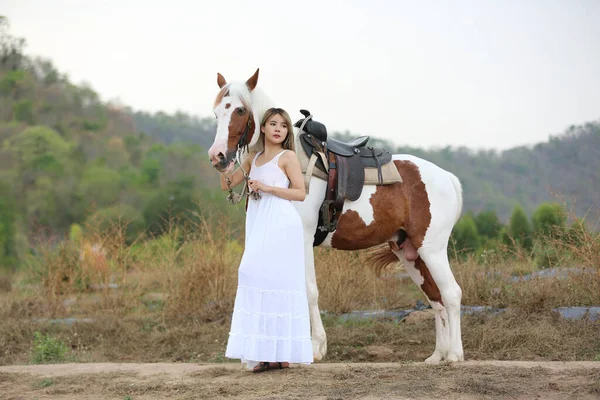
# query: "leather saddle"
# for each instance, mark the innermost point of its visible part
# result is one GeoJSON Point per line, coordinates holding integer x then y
{"type": "Point", "coordinates": [344, 163]}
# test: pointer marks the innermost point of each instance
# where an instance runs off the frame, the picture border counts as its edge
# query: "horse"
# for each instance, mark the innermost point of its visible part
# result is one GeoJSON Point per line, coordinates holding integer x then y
{"type": "Point", "coordinates": [407, 222]}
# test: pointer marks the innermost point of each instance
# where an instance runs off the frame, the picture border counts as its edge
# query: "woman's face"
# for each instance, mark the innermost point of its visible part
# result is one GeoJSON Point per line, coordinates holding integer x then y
{"type": "Point", "coordinates": [275, 129]}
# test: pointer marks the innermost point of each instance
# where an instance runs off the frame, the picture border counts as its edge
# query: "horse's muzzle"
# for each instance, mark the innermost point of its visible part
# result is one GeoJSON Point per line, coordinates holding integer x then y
{"type": "Point", "coordinates": [224, 163]}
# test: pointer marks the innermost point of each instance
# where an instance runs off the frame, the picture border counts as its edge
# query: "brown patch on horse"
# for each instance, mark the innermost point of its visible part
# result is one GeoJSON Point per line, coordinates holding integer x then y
{"type": "Point", "coordinates": [237, 126]}
{"type": "Point", "coordinates": [227, 105]}
{"type": "Point", "coordinates": [418, 214]}
{"type": "Point", "coordinates": [411, 213]}
{"type": "Point", "coordinates": [222, 93]}
{"type": "Point", "coordinates": [353, 234]}
{"type": "Point", "coordinates": [429, 287]}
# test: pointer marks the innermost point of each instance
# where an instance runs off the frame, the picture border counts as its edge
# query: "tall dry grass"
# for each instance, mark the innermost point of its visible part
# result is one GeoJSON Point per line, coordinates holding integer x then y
{"type": "Point", "coordinates": [174, 294]}
{"type": "Point", "coordinates": [191, 272]}
{"type": "Point", "coordinates": [509, 276]}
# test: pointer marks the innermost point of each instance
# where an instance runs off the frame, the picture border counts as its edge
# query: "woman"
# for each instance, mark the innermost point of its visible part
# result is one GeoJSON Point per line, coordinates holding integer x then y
{"type": "Point", "coordinates": [270, 327]}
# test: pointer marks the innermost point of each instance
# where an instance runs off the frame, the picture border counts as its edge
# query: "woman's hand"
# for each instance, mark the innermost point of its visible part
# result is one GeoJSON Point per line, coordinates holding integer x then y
{"type": "Point", "coordinates": [256, 185]}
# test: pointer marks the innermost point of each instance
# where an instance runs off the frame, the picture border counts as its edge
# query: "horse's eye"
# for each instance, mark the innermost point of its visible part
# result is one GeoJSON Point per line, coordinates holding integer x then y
{"type": "Point", "coordinates": [241, 110]}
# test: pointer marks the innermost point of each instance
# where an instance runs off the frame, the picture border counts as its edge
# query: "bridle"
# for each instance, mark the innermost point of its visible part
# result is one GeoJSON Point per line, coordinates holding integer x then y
{"type": "Point", "coordinates": [242, 144]}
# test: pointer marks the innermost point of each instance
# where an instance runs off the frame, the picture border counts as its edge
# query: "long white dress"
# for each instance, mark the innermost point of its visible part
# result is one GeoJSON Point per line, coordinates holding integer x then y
{"type": "Point", "coordinates": [270, 317]}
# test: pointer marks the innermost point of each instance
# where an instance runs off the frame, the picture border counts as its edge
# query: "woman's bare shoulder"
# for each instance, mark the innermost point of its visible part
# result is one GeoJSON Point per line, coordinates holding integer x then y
{"type": "Point", "coordinates": [289, 157]}
{"type": "Point", "coordinates": [288, 154]}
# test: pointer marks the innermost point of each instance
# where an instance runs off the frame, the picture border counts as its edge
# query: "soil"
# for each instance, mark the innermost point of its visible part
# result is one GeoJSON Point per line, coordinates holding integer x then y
{"type": "Point", "coordinates": [325, 381]}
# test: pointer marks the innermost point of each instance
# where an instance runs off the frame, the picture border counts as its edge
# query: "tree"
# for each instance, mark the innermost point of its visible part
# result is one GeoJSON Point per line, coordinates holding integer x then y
{"type": "Point", "coordinates": [42, 157]}
{"type": "Point", "coordinates": [174, 204]}
{"type": "Point", "coordinates": [465, 235]}
{"type": "Point", "coordinates": [519, 228]}
{"type": "Point", "coordinates": [11, 48]}
{"type": "Point", "coordinates": [549, 218]}
{"type": "Point", "coordinates": [23, 112]}
{"type": "Point", "coordinates": [40, 149]}
{"type": "Point", "coordinates": [8, 252]}
{"type": "Point", "coordinates": [118, 217]}
{"type": "Point", "coordinates": [488, 224]}
{"type": "Point", "coordinates": [99, 187]}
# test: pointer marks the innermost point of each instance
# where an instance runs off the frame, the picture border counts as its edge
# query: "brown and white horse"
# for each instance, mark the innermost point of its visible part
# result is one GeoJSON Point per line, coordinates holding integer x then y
{"type": "Point", "coordinates": [426, 205]}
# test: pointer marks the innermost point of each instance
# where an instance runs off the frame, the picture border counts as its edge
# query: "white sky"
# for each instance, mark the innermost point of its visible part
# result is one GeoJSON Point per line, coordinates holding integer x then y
{"type": "Point", "coordinates": [481, 74]}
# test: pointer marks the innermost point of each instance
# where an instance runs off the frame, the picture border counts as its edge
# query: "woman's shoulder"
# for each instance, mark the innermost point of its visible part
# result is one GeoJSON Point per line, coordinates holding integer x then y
{"type": "Point", "coordinates": [288, 156]}
{"type": "Point", "coordinates": [288, 153]}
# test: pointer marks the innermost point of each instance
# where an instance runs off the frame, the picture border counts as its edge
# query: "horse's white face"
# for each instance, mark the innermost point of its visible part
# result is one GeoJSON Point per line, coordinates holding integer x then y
{"type": "Point", "coordinates": [235, 123]}
{"type": "Point", "coordinates": [232, 121]}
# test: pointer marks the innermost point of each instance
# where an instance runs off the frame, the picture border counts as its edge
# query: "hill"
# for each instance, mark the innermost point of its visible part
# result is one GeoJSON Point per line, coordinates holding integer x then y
{"type": "Point", "coordinates": [68, 158]}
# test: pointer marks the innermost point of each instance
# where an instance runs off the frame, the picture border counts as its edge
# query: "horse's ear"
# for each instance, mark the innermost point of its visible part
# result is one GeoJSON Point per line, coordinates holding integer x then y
{"type": "Point", "coordinates": [221, 80]}
{"type": "Point", "coordinates": [253, 80]}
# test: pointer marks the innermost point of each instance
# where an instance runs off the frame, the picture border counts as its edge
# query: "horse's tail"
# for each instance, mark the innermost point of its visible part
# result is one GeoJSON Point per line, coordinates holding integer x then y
{"type": "Point", "coordinates": [459, 197]}
{"type": "Point", "coordinates": [380, 257]}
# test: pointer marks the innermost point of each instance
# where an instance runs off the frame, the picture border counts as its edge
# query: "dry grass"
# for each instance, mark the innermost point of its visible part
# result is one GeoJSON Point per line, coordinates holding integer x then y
{"type": "Point", "coordinates": [502, 281]}
{"type": "Point", "coordinates": [345, 284]}
{"type": "Point", "coordinates": [175, 295]}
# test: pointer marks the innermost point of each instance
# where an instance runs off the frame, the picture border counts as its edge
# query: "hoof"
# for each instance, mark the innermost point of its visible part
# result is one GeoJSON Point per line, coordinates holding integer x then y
{"type": "Point", "coordinates": [319, 349]}
{"type": "Point", "coordinates": [435, 358]}
{"type": "Point", "coordinates": [455, 357]}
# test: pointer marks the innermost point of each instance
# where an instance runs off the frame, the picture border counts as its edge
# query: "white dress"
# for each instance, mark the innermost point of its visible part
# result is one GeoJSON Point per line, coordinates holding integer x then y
{"type": "Point", "coordinates": [270, 317]}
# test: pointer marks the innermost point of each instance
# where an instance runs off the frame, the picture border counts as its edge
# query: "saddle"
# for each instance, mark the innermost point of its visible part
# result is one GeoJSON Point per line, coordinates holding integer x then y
{"type": "Point", "coordinates": [343, 166]}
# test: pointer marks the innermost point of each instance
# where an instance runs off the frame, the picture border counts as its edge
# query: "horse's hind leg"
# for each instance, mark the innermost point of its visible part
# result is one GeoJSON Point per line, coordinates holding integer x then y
{"type": "Point", "coordinates": [419, 273]}
{"type": "Point", "coordinates": [437, 264]}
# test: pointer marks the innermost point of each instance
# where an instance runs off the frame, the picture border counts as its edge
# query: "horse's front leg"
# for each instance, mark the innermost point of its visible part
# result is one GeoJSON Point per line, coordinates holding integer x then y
{"type": "Point", "coordinates": [309, 213]}
{"type": "Point", "coordinates": [319, 338]}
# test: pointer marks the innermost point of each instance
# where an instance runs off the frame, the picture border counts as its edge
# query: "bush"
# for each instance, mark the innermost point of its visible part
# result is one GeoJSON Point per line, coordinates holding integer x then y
{"type": "Point", "coordinates": [47, 349]}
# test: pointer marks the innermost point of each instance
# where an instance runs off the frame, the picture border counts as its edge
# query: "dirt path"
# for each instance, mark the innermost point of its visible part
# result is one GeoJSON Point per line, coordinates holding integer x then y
{"type": "Point", "coordinates": [469, 380]}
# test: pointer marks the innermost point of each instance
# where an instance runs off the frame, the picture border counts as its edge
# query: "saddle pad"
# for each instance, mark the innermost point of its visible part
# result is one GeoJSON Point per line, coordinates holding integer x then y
{"type": "Point", "coordinates": [389, 171]}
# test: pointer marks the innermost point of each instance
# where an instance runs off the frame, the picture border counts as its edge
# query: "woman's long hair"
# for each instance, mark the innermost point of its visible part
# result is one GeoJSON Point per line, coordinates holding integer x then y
{"type": "Point", "coordinates": [288, 143]}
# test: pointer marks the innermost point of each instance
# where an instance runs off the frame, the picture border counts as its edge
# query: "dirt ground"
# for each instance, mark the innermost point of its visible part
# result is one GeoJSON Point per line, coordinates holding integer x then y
{"type": "Point", "coordinates": [368, 381]}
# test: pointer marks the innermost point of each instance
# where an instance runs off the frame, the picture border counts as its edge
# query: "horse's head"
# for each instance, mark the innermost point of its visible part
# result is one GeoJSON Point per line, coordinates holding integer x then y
{"type": "Point", "coordinates": [238, 108]}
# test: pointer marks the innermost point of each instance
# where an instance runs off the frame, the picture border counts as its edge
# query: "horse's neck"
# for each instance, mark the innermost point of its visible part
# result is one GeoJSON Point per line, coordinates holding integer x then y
{"type": "Point", "coordinates": [257, 147]}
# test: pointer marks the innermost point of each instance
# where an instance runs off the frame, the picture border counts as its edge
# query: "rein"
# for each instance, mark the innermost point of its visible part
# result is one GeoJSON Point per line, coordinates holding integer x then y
{"type": "Point", "coordinates": [242, 144]}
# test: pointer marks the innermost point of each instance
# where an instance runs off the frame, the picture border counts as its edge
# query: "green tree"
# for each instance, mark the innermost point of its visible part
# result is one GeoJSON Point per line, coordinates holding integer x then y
{"type": "Point", "coordinates": [23, 112]}
{"type": "Point", "coordinates": [99, 187]}
{"type": "Point", "coordinates": [117, 217]}
{"type": "Point", "coordinates": [549, 218]}
{"type": "Point", "coordinates": [8, 251]}
{"type": "Point", "coordinates": [11, 48]}
{"type": "Point", "coordinates": [174, 204]}
{"type": "Point", "coordinates": [519, 228]}
{"type": "Point", "coordinates": [488, 224]}
{"type": "Point", "coordinates": [150, 171]}
{"type": "Point", "coordinates": [465, 235]}
{"type": "Point", "coordinates": [14, 82]}
{"type": "Point", "coordinates": [39, 149]}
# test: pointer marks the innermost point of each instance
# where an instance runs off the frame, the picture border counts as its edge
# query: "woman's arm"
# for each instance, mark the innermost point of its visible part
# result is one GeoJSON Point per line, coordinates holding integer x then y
{"type": "Point", "coordinates": [291, 166]}
{"type": "Point", "coordinates": [238, 175]}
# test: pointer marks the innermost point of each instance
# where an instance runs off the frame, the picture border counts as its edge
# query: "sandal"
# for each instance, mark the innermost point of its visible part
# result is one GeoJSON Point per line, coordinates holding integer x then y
{"type": "Point", "coordinates": [265, 366]}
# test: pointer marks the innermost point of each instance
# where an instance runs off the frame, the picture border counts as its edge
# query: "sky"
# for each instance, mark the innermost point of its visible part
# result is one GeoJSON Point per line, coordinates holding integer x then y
{"type": "Point", "coordinates": [430, 74]}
